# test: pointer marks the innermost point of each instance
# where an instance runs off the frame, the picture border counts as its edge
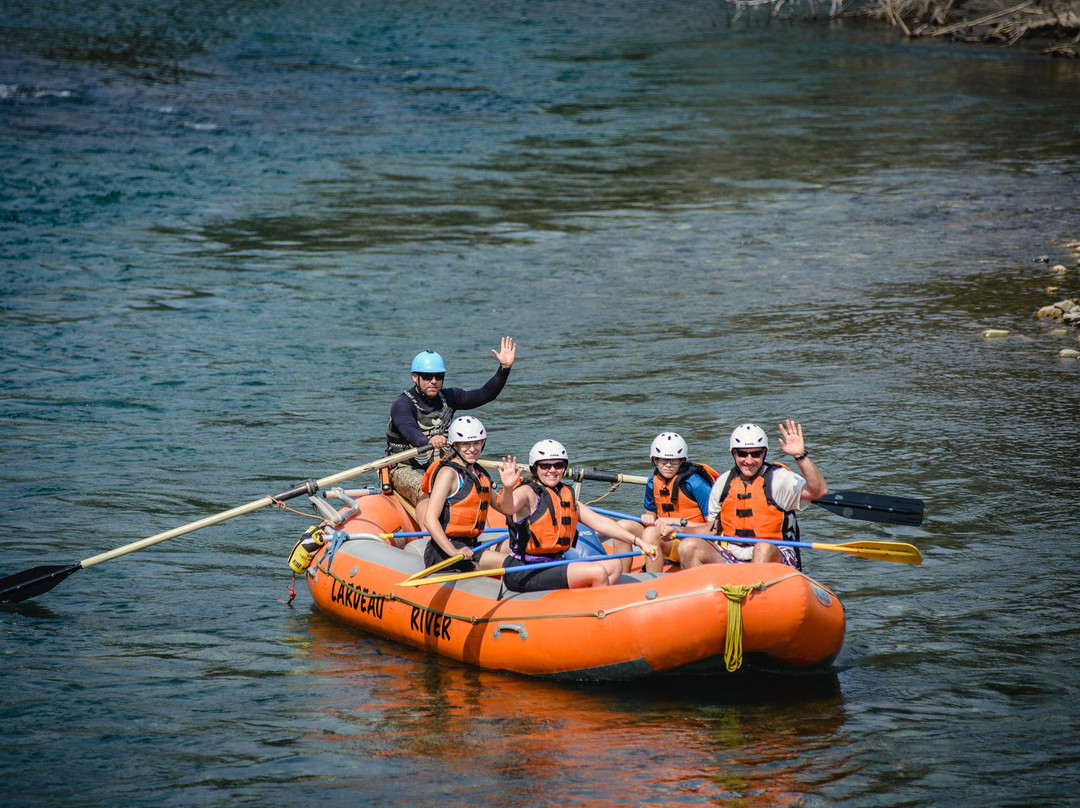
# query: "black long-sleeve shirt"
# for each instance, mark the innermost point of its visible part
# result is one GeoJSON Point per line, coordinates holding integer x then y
{"type": "Point", "coordinates": [403, 410]}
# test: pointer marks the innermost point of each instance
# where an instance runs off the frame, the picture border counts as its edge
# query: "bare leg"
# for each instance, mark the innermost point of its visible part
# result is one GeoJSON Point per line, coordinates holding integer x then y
{"type": "Point", "coordinates": [584, 574]}
{"type": "Point", "coordinates": [767, 553]}
{"type": "Point", "coordinates": [619, 546]}
{"type": "Point", "coordinates": [650, 537]}
{"type": "Point", "coordinates": [695, 552]}
{"type": "Point", "coordinates": [491, 559]}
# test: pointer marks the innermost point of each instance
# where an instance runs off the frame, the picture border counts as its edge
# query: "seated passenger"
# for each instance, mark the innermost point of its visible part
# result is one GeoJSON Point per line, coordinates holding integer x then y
{"type": "Point", "coordinates": [459, 496]}
{"type": "Point", "coordinates": [542, 515]}
{"type": "Point", "coordinates": [758, 499]}
{"type": "Point", "coordinates": [676, 498]}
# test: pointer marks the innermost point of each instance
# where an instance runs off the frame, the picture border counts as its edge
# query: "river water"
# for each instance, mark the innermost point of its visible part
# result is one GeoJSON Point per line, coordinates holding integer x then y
{"type": "Point", "coordinates": [227, 227]}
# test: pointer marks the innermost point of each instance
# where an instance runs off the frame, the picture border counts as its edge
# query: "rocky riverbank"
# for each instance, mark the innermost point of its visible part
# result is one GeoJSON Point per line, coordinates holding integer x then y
{"type": "Point", "coordinates": [1063, 315]}
{"type": "Point", "coordinates": [1052, 26]}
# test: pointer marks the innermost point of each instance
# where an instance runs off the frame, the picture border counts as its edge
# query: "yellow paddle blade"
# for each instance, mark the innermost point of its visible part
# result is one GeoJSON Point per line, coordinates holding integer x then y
{"type": "Point", "coordinates": [435, 567]}
{"type": "Point", "coordinates": [456, 576]}
{"type": "Point", "coordinates": [896, 551]}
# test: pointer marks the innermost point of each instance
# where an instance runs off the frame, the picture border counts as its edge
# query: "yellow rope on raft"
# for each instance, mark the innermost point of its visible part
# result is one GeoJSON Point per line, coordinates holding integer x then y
{"type": "Point", "coordinates": [733, 643]}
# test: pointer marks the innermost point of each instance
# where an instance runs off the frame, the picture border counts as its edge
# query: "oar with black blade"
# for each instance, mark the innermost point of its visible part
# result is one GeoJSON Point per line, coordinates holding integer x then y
{"type": "Point", "coordinates": [873, 507]}
{"type": "Point", "coordinates": [897, 551]}
{"type": "Point", "coordinates": [849, 504]}
{"type": "Point", "coordinates": [37, 580]}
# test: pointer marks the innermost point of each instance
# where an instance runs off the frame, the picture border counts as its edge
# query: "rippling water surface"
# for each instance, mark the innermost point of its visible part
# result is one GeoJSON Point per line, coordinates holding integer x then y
{"type": "Point", "coordinates": [226, 228]}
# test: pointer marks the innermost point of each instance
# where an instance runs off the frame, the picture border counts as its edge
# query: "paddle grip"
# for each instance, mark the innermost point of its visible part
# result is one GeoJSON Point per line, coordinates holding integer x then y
{"type": "Point", "coordinates": [309, 487]}
{"type": "Point", "coordinates": [580, 474]}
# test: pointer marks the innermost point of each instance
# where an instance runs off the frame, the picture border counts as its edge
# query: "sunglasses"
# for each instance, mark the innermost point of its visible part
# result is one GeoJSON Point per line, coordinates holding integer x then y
{"type": "Point", "coordinates": [427, 377]}
{"type": "Point", "coordinates": [549, 466]}
{"type": "Point", "coordinates": [749, 452]}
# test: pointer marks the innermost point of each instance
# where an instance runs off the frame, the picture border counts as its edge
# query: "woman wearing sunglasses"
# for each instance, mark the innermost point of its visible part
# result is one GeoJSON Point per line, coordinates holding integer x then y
{"type": "Point", "coordinates": [758, 499]}
{"type": "Point", "coordinates": [542, 516]}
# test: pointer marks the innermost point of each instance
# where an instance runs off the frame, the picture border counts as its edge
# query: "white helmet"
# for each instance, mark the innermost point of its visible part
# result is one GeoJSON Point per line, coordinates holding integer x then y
{"type": "Point", "coordinates": [749, 436]}
{"type": "Point", "coordinates": [465, 429]}
{"type": "Point", "coordinates": [668, 445]}
{"type": "Point", "coordinates": [547, 450]}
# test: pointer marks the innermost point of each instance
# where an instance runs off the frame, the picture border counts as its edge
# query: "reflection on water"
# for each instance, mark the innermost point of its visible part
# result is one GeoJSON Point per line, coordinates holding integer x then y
{"type": "Point", "coordinates": [754, 740]}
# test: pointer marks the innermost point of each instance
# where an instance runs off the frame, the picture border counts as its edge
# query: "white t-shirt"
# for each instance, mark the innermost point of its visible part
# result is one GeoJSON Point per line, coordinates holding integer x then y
{"type": "Point", "coordinates": [786, 489]}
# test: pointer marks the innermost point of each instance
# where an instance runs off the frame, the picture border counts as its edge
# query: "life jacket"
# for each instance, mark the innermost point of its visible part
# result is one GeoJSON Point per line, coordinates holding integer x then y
{"type": "Point", "coordinates": [431, 423]}
{"type": "Point", "coordinates": [747, 509]}
{"type": "Point", "coordinates": [549, 530]}
{"type": "Point", "coordinates": [666, 493]}
{"type": "Point", "coordinates": [464, 514]}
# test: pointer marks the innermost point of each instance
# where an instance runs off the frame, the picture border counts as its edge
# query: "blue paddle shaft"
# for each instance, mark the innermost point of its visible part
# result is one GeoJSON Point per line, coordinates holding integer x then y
{"type": "Point", "coordinates": [710, 537]}
{"type": "Point", "coordinates": [744, 540]}
{"type": "Point", "coordinates": [560, 562]}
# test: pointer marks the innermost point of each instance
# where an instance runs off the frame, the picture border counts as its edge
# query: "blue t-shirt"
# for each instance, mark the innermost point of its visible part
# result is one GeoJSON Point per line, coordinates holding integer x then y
{"type": "Point", "coordinates": [693, 486]}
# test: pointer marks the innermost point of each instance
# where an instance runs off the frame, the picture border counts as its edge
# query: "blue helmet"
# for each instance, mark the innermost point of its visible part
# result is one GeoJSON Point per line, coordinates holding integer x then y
{"type": "Point", "coordinates": [427, 362]}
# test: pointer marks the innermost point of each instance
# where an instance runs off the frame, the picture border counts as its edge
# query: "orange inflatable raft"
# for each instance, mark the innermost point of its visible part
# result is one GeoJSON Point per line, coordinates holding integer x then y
{"type": "Point", "coordinates": [700, 621]}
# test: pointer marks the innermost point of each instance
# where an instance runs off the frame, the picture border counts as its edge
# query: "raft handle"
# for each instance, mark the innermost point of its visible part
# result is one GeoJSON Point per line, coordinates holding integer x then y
{"type": "Point", "coordinates": [519, 628]}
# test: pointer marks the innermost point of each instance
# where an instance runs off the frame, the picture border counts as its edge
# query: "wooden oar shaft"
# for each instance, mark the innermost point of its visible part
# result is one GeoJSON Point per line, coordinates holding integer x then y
{"type": "Point", "coordinates": [579, 473]}
{"type": "Point", "coordinates": [249, 507]}
{"type": "Point", "coordinates": [858, 505]}
{"type": "Point", "coordinates": [176, 531]}
{"type": "Point", "coordinates": [850, 504]}
{"type": "Point", "coordinates": [38, 580]}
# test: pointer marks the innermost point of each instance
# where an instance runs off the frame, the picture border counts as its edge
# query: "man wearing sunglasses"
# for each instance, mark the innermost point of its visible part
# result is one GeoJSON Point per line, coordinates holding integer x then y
{"type": "Point", "coordinates": [422, 415]}
{"type": "Point", "coordinates": [758, 499]}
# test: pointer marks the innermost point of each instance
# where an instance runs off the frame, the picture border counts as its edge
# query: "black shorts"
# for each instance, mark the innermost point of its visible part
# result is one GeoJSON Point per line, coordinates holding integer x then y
{"type": "Point", "coordinates": [547, 578]}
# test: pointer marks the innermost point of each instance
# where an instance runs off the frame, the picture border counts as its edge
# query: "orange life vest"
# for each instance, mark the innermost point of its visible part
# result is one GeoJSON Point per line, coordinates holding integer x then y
{"type": "Point", "coordinates": [748, 508]}
{"type": "Point", "coordinates": [549, 530]}
{"type": "Point", "coordinates": [464, 514]}
{"type": "Point", "coordinates": [666, 493]}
